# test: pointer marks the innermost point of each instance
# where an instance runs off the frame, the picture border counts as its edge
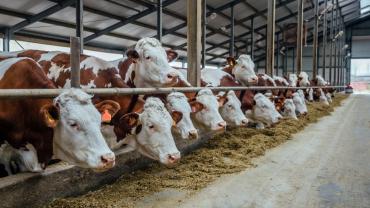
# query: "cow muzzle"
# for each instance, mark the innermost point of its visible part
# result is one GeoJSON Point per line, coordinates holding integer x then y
{"type": "Point", "coordinates": [107, 161]}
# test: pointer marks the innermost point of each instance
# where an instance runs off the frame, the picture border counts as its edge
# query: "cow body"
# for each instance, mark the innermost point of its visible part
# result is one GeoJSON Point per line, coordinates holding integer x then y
{"type": "Point", "coordinates": [66, 127]}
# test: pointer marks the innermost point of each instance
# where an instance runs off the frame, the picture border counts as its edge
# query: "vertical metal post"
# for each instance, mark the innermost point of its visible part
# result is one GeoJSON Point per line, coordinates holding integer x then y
{"type": "Point", "coordinates": [232, 30]}
{"type": "Point", "coordinates": [159, 20]}
{"type": "Point", "coordinates": [204, 32]}
{"type": "Point", "coordinates": [252, 38]}
{"type": "Point", "coordinates": [332, 31]}
{"type": "Point", "coordinates": [6, 40]}
{"type": "Point", "coordinates": [335, 45]}
{"type": "Point", "coordinates": [194, 34]}
{"type": "Point", "coordinates": [293, 60]}
{"type": "Point", "coordinates": [315, 41]}
{"type": "Point", "coordinates": [277, 54]}
{"type": "Point", "coordinates": [285, 63]}
{"type": "Point", "coordinates": [79, 23]}
{"type": "Point", "coordinates": [75, 61]}
{"type": "Point", "coordinates": [349, 58]}
{"type": "Point", "coordinates": [300, 35]}
{"type": "Point", "coordinates": [270, 37]}
{"type": "Point", "coordinates": [325, 40]}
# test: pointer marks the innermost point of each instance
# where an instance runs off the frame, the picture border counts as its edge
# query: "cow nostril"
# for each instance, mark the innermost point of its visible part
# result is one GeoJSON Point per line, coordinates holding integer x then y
{"type": "Point", "coordinates": [169, 76]}
{"type": "Point", "coordinates": [107, 159]}
{"type": "Point", "coordinates": [172, 158]}
{"type": "Point", "coordinates": [244, 121]}
{"type": "Point", "coordinates": [222, 124]}
{"type": "Point", "coordinates": [193, 134]}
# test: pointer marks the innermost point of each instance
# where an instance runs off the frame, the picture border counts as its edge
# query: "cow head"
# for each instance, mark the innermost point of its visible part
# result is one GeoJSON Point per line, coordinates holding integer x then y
{"type": "Point", "coordinates": [321, 81]}
{"type": "Point", "coordinates": [243, 71]}
{"type": "Point", "coordinates": [289, 109]}
{"type": "Point", "coordinates": [323, 98]}
{"type": "Point", "coordinates": [178, 102]}
{"type": "Point", "coordinates": [303, 80]}
{"type": "Point", "coordinates": [150, 65]}
{"type": "Point", "coordinates": [293, 79]}
{"type": "Point", "coordinates": [77, 137]}
{"type": "Point", "coordinates": [231, 110]}
{"type": "Point", "coordinates": [264, 110]}
{"type": "Point", "coordinates": [151, 132]}
{"type": "Point", "coordinates": [209, 117]}
{"type": "Point", "coordinates": [299, 102]}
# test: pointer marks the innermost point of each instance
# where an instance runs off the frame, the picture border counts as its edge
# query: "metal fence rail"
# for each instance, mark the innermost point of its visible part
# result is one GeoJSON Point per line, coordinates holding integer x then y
{"type": "Point", "coordinates": [49, 93]}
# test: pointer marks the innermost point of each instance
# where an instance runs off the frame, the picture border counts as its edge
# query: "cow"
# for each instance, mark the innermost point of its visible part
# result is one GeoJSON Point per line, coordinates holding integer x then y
{"type": "Point", "coordinates": [231, 110]}
{"type": "Point", "coordinates": [148, 65]}
{"type": "Point", "coordinates": [97, 73]}
{"type": "Point", "coordinates": [216, 77]}
{"type": "Point", "coordinates": [19, 160]}
{"type": "Point", "coordinates": [263, 112]}
{"type": "Point", "coordinates": [150, 132]}
{"type": "Point", "coordinates": [242, 69]}
{"type": "Point", "coordinates": [177, 102]}
{"type": "Point", "coordinates": [67, 128]}
{"type": "Point", "coordinates": [300, 103]}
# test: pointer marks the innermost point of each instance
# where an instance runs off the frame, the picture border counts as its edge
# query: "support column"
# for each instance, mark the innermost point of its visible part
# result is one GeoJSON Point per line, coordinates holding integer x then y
{"type": "Point", "coordinates": [232, 33]}
{"type": "Point", "coordinates": [315, 41]}
{"type": "Point", "coordinates": [75, 61]}
{"type": "Point", "coordinates": [325, 40]}
{"type": "Point", "coordinates": [293, 60]}
{"type": "Point", "coordinates": [277, 54]}
{"type": "Point", "coordinates": [300, 35]}
{"type": "Point", "coordinates": [336, 51]}
{"type": "Point", "coordinates": [252, 38]}
{"type": "Point", "coordinates": [270, 37]}
{"type": "Point", "coordinates": [6, 40]}
{"type": "Point", "coordinates": [204, 32]}
{"type": "Point", "coordinates": [194, 21]}
{"type": "Point", "coordinates": [79, 23]}
{"type": "Point", "coordinates": [159, 20]}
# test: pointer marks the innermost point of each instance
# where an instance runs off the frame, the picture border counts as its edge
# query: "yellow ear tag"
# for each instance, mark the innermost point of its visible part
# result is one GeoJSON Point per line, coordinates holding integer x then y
{"type": "Point", "coordinates": [106, 116]}
{"type": "Point", "coordinates": [173, 123]}
{"type": "Point", "coordinates": [50, 119]}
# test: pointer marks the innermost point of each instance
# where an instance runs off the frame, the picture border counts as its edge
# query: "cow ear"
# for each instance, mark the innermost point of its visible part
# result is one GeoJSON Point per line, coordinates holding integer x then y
{"type": "Point", "coordinates": [231, 61]}
{"type": "Point", "coordinates": [107, 109]}
{"type": "Point", "coordinates": [221, 100]}
{"type": "Point", "coordinates": [196, 106]}
{"type": "Point", "coordinates": [50, 114]}
{"type": "Point", "coordinates": [130, 122]}
{"type": "Point", "coordinates": [171, 55]}
{"type": "Point", "coordinates": [133, 54]}
{"type": "Point", "coordinates": [176, 116]}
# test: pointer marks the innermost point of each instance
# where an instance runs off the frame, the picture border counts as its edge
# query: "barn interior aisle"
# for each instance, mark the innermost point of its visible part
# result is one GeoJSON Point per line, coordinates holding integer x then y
{"type": "Point", "coordinates": [325, 165]}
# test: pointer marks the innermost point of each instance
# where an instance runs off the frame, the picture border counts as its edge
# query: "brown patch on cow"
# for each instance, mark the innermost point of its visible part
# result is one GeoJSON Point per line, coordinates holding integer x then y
{"type": "Point", "coordinates": [33, 54]}
{"type": "Point", "coordinates": [20, 120]}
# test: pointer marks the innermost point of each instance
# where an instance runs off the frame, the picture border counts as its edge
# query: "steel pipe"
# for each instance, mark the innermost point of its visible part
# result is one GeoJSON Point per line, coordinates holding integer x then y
{"type": "Point", "coordinates": [49, 93]}
{"type": "Point", "coordinates": [300, 35]}
{"type": "Point", "coordinates": [315, 40]}
{"type": "Point", "coordinates": [270, 37]}
{"type": "Point", "coordinates": [75, 61]}
{"type": "Point", "coordinates": [80, 23]}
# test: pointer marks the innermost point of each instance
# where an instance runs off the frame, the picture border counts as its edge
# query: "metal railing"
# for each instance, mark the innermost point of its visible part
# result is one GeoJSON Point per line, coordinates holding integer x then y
{"type": "Point", "coordinates": [49, 93]}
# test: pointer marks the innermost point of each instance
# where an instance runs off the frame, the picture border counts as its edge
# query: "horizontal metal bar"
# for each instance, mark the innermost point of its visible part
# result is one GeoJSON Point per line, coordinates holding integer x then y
{"type": "Point", "coordinates": [49, 93]}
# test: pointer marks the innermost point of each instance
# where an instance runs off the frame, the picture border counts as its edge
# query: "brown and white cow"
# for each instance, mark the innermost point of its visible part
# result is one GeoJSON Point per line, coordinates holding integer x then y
{"type": "Point", "coordinates": [67, 128]}
{"type": "Point", "coordinates": [97, 73]}
{"type": "Point", "coordinates": [148, 65]}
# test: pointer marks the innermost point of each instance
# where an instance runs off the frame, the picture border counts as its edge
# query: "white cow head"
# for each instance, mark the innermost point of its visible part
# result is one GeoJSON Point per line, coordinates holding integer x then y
{"type": "Point", "coordinates": [178, 102]}
{"type": "Point", "coordinates": [23, 159]}
{"type": "Point", "coordinates": [77, 137]}
{"type": "Point", "coordinates": [328, 97]}
{"type": "Point", "coordinates": [264, 110]}
{"type": "Point", "coordinates": [231, 111]}
{"type": "Point", "coordinates": [323, 98]}
{"type": "Point", "coordinates": [150, 65]}
{"type": "Point", "coordinates": [310, 94]}
{"type": "Point", "coordinates": [293, 80]}
{"type": "Point", "coordinates": [321, 81]}
{"type": "Point", "coordinates": [303, 79]}
{"type": "Point", "coordinates": [244, 71]}
{"type": "Point", "coordinates": [209, 117]}
{"type": "Point", "coordinates": [289, 109]}
{"type": "Point", "coordinates": [151, 132]}
{"type": "Point", "coordinates": [300, 104]}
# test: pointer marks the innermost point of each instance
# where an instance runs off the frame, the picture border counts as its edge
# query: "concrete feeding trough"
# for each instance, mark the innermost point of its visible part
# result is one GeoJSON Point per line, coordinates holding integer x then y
{"type": "Point", "coordinates": [63, 180]}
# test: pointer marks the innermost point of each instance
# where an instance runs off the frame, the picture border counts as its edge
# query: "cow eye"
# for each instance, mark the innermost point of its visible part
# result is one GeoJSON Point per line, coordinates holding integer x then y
{"type": "Point", "coordinates": [151, 127]}
{"type": "Point", "coordinates": [230, 106]}
{"type": "Point", "coordinates": [147, 58]}
{"type": "Point", "coordinates": [74, 125]}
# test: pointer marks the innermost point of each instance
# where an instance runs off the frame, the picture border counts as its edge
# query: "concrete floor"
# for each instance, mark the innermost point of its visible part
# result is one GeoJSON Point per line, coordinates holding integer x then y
{"type": "Point", "coordinates": [326, 165]}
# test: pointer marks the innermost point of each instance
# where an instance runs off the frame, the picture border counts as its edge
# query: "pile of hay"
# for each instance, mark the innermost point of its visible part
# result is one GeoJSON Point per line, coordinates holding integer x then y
{"type": "Point", "coordinates": [226, 153]}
